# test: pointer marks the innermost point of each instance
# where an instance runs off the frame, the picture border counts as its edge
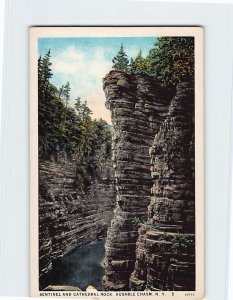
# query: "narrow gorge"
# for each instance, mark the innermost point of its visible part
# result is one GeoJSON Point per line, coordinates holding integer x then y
{"type": "Point", "coordinates": [143, 199]}
{"type": "Point", "coordinates": [68, 217]}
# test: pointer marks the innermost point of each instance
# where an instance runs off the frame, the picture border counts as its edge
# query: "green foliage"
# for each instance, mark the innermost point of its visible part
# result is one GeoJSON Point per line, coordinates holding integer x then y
{"type": "Point", "coordinates": [70, 132]}
{"type": "Point", "coordinates": [64, 93]}
{"type": "Point", "coordinates": [181, 244]}
{"type": "Point", "coordinates": [138, 65]}
{"type": "Point", "coordinates": [44, 74]}
{"type": "Point", "coordinates": [82, 109]}
{"type": "Point", "coordinates": [132, 66]}
{"type": "Point", "coordinates": [121, 61]}
{"type": "Point", "coordinates": [137, 222]}
{"type": "Point", "coordinates": [172, 60]}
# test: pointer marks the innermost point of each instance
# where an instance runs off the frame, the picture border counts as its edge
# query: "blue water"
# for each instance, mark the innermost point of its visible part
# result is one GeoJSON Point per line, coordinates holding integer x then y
{"type": "Point", "coordinates": [80, 268]}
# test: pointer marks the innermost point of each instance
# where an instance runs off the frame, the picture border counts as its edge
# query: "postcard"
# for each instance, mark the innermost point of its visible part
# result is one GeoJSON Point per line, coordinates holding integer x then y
{"type": "Point", "coordinates": [116, 162]}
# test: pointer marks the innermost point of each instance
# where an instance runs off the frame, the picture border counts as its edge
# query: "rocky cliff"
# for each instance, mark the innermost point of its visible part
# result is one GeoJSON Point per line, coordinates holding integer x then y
{"type": "Point", "coordinates": [166, 244]}
{"type": "Point", "coordinates": [138, 105]}
{"type": "Point", "coordinates": [154, 188]}
{"type": "Point", "coordinates": [68, 217]}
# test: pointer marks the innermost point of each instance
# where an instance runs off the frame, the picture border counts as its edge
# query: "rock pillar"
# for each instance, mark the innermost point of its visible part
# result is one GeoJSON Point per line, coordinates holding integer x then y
{"type": "Point", "coordinates": [138, 105]}
{"type": "Point", "coordinates": [166, 245]}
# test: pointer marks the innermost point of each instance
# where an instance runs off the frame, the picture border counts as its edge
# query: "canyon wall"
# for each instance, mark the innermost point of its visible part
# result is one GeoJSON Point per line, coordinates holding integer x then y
{"type": "Point", "coordinates": [153, 159]}
{"type": "Point", "coordinates": [138, 106]}
{"type": "Point", "coordinates": [69, 218]}
{"type": "Point", "coordinates": [166, 244]}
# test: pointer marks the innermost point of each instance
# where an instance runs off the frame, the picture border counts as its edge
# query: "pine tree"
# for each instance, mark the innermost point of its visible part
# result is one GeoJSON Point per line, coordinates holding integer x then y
{"type": "Point", "coordinates": [40, 69]}
{"type": "Point", "coordinates": [86, 110]}
{"type": "Point", "coordinates": [82, 109]}
{"type": "Point", "coordinates": [120, 61]}
{"type": "Point", "coordinates": [40, 78]}
{"type": "Point", "coordinates": [46, 71]}
{"type": "Point", "coordinates": [77, 104]}
{"type": "Point", "coordinates": [66, 93]}
{"type": "Point", "coordinates": [44, 74]}
{"type": "Point", "coordinates": [140, 63]}
{"type": "Point", "coordinates": [61, 92]}
{"type": "Point", "coordinates": [132, 67]}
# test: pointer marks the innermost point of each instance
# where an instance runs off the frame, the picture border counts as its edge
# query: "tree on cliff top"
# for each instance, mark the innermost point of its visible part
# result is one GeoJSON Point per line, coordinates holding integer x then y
{"type": "Point", "coordinates": [120, 61]}
{"type": "Point", "coordinates": [139, 64]}
{"type": "Point", "coordinates": [172, 60]}
{"type": "Point", "coordinates": [132, 66]}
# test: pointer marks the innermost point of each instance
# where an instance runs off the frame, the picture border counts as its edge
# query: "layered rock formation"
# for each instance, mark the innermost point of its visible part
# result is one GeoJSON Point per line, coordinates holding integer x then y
{"type": "Point", "coordinates": [166, 244]}
{"type": "Point", "coordinates": [150, 244]}
{"type": "Point", "coordinates": [153, 156]}
{"type": "Point", "coordinates": [138, 105]}
{"type": "Point", "coordinates": [68, 217]}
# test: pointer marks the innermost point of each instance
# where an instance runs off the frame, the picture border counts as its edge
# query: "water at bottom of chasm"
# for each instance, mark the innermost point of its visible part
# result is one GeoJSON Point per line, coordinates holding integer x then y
{"type": "Point", "coordinates": [80, 268]}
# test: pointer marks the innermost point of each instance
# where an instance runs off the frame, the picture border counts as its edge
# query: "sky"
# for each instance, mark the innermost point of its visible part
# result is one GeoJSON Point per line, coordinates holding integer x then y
{"type": "Point", "coordinates": [85, 61]}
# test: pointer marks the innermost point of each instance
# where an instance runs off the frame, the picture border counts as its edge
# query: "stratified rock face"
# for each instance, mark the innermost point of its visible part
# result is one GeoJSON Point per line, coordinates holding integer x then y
{"type": "Point", "coordinates": [67, 217]}
{"type": "Point", "coordinates": [139, 106]}
{"type": "Point", "coordinates": [166, 247]}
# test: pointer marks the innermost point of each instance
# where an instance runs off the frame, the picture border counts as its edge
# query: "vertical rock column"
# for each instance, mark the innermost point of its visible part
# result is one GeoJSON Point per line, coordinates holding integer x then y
{"type": "Point", "coordinates": [138, 105]}
{"type": "Point", "coordinates": [165, 248]}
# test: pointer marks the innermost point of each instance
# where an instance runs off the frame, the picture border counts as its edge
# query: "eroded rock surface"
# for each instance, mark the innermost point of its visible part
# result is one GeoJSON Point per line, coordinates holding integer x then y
{"type": "Point", "coordinates": [69, 218]}
{"type": "Point", "coordinates": [138, 105]}
{"type": "Point", "coordinates": [165, 247]}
